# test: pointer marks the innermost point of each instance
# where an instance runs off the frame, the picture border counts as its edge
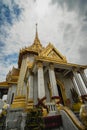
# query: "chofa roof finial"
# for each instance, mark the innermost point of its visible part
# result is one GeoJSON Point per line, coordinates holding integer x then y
{"type": "Point", "coordinates": [36, 31]}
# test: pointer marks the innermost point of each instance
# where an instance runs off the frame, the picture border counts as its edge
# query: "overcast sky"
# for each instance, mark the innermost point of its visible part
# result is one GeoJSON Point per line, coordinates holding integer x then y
{"type": "Point", "coordinates": [61, 22]}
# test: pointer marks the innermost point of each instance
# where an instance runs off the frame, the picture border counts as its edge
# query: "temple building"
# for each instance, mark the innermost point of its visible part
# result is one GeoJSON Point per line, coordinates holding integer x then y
{"type": "Point", "coordinates": [45, 78]}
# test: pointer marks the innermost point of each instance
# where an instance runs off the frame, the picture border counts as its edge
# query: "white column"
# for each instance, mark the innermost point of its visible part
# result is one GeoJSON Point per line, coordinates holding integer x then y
{"type": "Point", "coordinates": [76, 86]}
{"type": "Point", "coordinates": [41, 86]}
{"type": "Point", "coordinates": [35, 89]}
{"type": "Point", "coordinates": [9, 95]}
{"type": "Point", "coordinates": [83, 76]}
{"type": "Point", "coordinates": [23, 69]}
{"type": "Point", "coordinates": [30, 89]}
{"type": "Point", "coordinates": [53, 81]}
{"type": "Point", "coordinates": [79, 83]}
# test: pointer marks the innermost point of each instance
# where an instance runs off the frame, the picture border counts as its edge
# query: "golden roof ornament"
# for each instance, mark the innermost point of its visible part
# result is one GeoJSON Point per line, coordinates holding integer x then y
{"type": "Point", "coordinates": [35, 48]}
{"type": "Point", "coordinates": [36, 40]}
{"type": "Point", "coordinates": [36, 31]}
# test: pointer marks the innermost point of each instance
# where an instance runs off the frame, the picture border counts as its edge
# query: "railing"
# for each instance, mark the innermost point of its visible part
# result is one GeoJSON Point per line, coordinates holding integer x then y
{"type": "Point", "coordinates": [68, 117]}
{"type": "Point", "coordinates": [51, 106]}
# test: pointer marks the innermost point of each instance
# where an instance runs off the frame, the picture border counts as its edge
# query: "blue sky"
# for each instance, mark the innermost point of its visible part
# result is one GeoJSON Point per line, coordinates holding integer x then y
{"type": "Point", "coordinates": [61, 22]}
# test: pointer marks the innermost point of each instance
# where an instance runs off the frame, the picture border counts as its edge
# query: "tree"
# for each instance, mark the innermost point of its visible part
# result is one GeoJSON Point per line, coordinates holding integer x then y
{"type": "Point", "coordinates": [34, 120]}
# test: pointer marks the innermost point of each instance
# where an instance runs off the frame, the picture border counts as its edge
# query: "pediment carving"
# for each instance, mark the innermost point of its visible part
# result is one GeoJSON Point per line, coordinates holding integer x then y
{"type": "Point", "coordinates": [51, 52]}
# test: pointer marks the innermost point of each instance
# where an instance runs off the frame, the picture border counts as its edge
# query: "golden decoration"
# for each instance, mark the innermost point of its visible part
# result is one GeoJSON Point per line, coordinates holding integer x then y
{"type": "Point", "coordinates": [51, 52]}
{"type": "Point", "coordinates": [39, 64]}
{"type": "Point", "coordinates": [83, 114]}
{"type": "Point", "coordinates": [19, 102]}
{"type": "Point", "coordinates": [51, 66]}
{"type": "Point", "coordinates": [61, 85]}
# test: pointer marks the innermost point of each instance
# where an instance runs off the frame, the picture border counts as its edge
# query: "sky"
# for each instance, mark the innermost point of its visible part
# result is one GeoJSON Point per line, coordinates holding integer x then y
{"type": "Point", "coordinates": [61, 22]}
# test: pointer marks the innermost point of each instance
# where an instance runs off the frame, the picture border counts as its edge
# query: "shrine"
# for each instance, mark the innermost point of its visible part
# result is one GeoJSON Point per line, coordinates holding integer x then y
{"type": "Point", "coordinates": [47, 85]}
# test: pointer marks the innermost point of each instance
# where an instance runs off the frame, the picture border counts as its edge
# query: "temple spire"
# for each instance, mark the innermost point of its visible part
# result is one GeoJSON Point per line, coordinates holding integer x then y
{"type": "Point", "coordinates": [36, 31]}
{"type": "Point", "coordinates": [36, 40]}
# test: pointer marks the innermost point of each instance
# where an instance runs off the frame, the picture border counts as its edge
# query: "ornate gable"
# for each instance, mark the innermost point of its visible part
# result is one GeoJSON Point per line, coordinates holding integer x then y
{"type": "Point", "coordinates": [51, 52]}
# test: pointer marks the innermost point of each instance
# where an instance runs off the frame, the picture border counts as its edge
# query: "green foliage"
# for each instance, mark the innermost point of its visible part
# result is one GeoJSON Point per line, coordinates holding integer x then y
{"type": "Point", "coordinates": [2, 121]}
{"type": "Point", "coordinates": [75, 96]}
{"type": "Point", "coordinates": [34, 120]}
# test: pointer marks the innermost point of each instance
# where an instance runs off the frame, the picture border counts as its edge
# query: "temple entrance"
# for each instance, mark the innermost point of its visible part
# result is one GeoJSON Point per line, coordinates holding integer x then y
{"type": "Point", "coordinates": [61, 91]}
{"type": "Point", "coordinates": [60, 94]}
{"type": "Point", "coordinates": [12, 98]}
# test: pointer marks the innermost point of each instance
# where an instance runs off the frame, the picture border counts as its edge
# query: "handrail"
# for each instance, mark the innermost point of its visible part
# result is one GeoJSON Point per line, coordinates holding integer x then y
{"type": "Point", "coordinates": [75, 120]}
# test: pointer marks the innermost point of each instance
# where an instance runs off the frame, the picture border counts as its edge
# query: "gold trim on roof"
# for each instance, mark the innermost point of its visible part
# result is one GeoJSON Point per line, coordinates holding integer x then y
{"type": "Point", "coordinates": [51, 52]}
{"type": "Point", "coordinates": [35, 48]}
{"type": "Point", "coordinates": [56, 61]}
{"type": "Point", "coordinates": [37, 43]}
{"type": "Point", "coordinates": [4, 84]}
{"type": "Point", "coordinates": [12, 75]}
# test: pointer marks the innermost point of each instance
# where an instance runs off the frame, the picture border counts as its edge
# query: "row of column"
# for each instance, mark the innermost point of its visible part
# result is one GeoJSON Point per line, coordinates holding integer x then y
{"type": "Point", "coordinates": [80, 87]}
{"type": "Point", "coordinates": [83, 77]}
{"type": "Point", "coordinates": [41, 85]}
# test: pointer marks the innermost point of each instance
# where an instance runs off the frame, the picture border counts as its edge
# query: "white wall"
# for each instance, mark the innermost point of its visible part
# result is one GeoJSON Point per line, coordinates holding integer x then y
{"type": "Point", "coordinates": [11, 90]}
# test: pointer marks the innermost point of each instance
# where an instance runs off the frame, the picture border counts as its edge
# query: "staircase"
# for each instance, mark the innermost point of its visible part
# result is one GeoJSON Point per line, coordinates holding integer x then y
{"type": "Point", "coordinates": [53, 121]}
{"type": "Point", "coordinates": [77, 115]}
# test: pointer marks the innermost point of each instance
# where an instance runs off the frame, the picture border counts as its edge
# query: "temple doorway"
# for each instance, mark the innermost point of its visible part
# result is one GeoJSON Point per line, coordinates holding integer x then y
{"type": "Point", "coordinates": [60, 94]}
{"type": "Point", "coordinates": [12, 98]}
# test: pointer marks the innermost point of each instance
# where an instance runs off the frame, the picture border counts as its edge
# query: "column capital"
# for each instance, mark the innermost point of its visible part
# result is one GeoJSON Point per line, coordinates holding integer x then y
{"type": "Point", "coordinates": [51, 65]}
{"type": "Point", "coordinates": [81, 70]}
{"type": "Point", "coordinates": [31, 73]}
{"type": "Point", "coordinates": [74, 69]}
{"type": "Point", "coordinates": [83, 76]}
{"type": "Point", "coordinates": [39, 64]}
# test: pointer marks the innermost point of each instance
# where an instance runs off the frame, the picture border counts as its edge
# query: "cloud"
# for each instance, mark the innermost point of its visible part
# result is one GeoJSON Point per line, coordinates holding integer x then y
{"type": "Point", "coordinates": [83, 44]}
{"type": "Point", "coordinates": [79, 6]}
{"type": "Point", "coordinates": [10, 13]}
{"type": "Point", "coordinates": [83, 51]}
{"type": "Point", "coordinates": [61, 22]}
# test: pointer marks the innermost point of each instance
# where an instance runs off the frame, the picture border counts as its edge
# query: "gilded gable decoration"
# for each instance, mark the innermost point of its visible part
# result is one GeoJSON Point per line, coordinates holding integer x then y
{"type": "Point", "coordinates": [51, 52]}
